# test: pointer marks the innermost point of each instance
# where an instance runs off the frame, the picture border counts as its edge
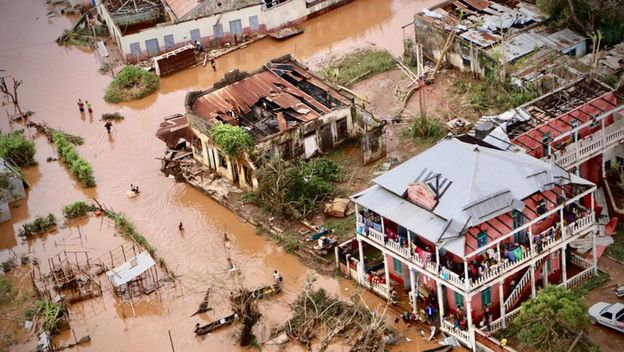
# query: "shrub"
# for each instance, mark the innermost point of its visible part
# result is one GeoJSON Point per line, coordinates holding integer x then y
{"type": "Point", "coordinates": [8, 265]}
{"type": "Point", "coordinates": [77, 209]}
{"type": "Point", "coordinates": [131, 83]}
{"type": "Point", "coordinates": [296, 188]}
{"type": "Point", "coordinates": [40, 225]}
{"type": "Point", "coordinates": [79, 167]}
{"type": "Point", "coordinates": [426, 129]}
{"type": "Point", "coordinates": [112, 116]}
{"type": "Point", "coordinates": [231, 139]}
{"type": "Point", "coordinates": [16, 148]}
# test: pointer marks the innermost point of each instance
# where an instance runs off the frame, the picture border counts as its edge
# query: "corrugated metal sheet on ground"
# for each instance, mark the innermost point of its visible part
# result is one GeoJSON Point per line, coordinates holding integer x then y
{"type": "Point", "coordinates": [130, 269]}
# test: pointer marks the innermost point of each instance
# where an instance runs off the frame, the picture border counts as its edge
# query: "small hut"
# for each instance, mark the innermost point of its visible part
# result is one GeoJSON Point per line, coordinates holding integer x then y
{"type": "Point", "coordinates": [135, 277]}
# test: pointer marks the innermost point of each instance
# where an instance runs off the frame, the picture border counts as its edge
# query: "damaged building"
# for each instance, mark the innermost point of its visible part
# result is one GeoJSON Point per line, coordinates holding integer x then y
{"type": "Point", "coordinates": [144, 28]}
{"type": "Point", "coordinates": [288, 111]}
{"type": "Point", "coordinates": [491, 36]}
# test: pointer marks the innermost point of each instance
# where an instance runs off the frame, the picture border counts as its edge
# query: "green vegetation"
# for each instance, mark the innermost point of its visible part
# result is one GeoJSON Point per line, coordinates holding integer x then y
{"type": "Point", "coordinates": [233, 140]}
{"type": "Point", "coordinates": [289, 242]}
{"type": "Point", "coordinates": [611, 80]}
{"type": "Point", "coordinates": [343, 228]}
{"type": "Point", "coordinates": [7, 291]}
{"type": "Point", "coordinates": [79, 37]}
{"type": "Point", "coordinates": [16, 148]}
{"type": "Point", "coordinates": [493, 94]}
{"type": "Point", "coordinates": [128, 230]}
{"type": "Point", "coordinates": [112, 116]}
{"type": "Point", "coordinates": [551, 321]}
{"type": "Point", "coordinates": [40, 225]}
{"type": "Point", "coordinates": [594, 282]}
{"type": "Point", "coordinates": [296, 188]}
{"type": "Point", "coordinates": [425, 129]}
{"type": "Point", "coordinates": [588, 16]}
{"type": "Point", "coordinates": [79, 167]}
{"type": "Point", "coordinates": [77, 209]}
{"type": "Point", "coordinates": [8, 265]}
{"type": "Point", "coordinates": [358, 65]}
{"type": "Point", "coordinates": [131, 83]}
{"type": "Point", "coordinates": [105, 68]}
{"type": "Point", "coordinates": [51, 314]}
{"type": "Point", "coordinates": [616, 250]}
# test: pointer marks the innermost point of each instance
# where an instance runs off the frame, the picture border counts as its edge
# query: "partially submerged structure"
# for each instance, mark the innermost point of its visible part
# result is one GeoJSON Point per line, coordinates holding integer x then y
{"type": "Point", "coordinates": [472, 231]}
{"type": "Point", "coordinates": [135, 277]}
{"type": "Point", "coordinates": [289, 113]}
{"type": "Point", "coordinates": [489, 35]}
{"type": "Point", "coordinates": [143, 28]}
{"type": "Point", "coordinates": [11, 187]}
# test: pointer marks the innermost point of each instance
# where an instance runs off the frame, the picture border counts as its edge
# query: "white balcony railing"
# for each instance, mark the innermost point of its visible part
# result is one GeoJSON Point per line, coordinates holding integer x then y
{"type": "Point", "coordinates": [462, 335]}
{"type": "Point", "coordinates": [590, 145]}
{"type": "Point", "coordinates": [580, 277]}
{"type": "Point", "coordinates": [514, 296]}
{"type": "Point", "coordinates": [509, 317]}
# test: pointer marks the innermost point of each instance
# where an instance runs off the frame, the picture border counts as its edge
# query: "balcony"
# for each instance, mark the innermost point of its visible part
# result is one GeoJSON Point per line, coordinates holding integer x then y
{"type": "Point", "coordinates": [460, 334]}
{"type": "Point", "coordinates": [590, 146]}
{"type": "Point", "coordinates": [549, 240]}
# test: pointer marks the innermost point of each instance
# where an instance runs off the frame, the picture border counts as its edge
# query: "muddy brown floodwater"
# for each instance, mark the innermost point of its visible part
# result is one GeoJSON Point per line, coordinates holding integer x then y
{"type": "Point", "coordinates": [55, 77]}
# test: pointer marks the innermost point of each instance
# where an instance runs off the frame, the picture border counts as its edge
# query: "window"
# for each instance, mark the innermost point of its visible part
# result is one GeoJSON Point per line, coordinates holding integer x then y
{"type": "Point", "coordinates": [169, 42]}
{"type": "Point", "coordinates": [486, 297]}
{"type": "Point", "coordinates": [398, 266]}
{"type": "Point", "coordinates": [217, 29]}
{"type": "Point", "coordinates": [285, 150]}
{"type": "Point", "coordinates": [236, 28]}
{"type": "Point", "coordinates": [465, 54]}
{"type": "Point", "coordinates": [341, 129]}
{"type": "Point", "coordinates": [135, 50]}
{"type": "Point", "coordinates": [254, 25]}
{"type": "Point", "coordinates": [482, 239]}
{"type": "Point", "coordinates": [459, 300]}
{"type": "Point", "coordinates": [151, 46]}
{"type": "Point", "coordinates": [198, 145]}
{"type": "Point", "coordinates": [195, 34]}
{"type": "Point", "coordinates": [518, 221]}
{"type": "Point", "coordinates": [222, 161]}
{"type": "Point", "coordinates": [607, 315]}
{"type": "Point", "coordinates": [548, 266]}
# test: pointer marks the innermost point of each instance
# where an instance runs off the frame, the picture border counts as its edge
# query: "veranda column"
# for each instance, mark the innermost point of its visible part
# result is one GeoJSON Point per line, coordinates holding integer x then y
{"type": "Point", "coordinates": [533, 288]}
{"type": "Point", "coordinates": [501, 299]}
{"type": "Point", "coordinates": [594, 251]}
{"type": "Point", "coordinates": [413, 292]}
{"type": "Point", "coordinates": [387, 273]}
{"type": "Point", "coordinates": [440, 301]}
{"type": "Point", "coordinates": [467, 299]}
{"type": "Point", "coordinates": [564, 272]}
{"type": "Point", "coordinates": [361, 262]}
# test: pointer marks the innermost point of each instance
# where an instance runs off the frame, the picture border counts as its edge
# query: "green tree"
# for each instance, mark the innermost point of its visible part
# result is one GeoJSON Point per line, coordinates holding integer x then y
{"type": "Point", "coordinates": [551, 321]}
{"type": "Point", "coordinates": [233, 140]}
{"type": "Point", "coordinates": [17, 148]}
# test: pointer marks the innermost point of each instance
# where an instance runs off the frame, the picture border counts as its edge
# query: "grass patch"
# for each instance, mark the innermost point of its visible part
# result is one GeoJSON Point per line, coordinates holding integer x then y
{"type": "Point", "coordinates": [7, 291]}
{"type": "Point", "coordinates": [233, 140]}
{"type": "Point", "coordinates": [131, 83]}
{"type": "Point", "coordinates": [358, 65]}
{"type": "Point", "coordinates": [289, 242]}
{"type": "Point", "coordinates": [425, 129]}
{"type": "Point", "coordinates": [616, 250]}
{"type": "Point", "coordinates": [79, 37]}
{"type": "Point", "coordinates": [343, 228]}
{"type": "Point", "coordinates": [78, 166]}
{"type": "Point", "coordinates": [112, 116]}
{"type": "Point", "coordinates": [594, 282]}
{"type": "Point", "coordinates": [40, 225]}
{"type": "Point", "coordinates": [492, 95]}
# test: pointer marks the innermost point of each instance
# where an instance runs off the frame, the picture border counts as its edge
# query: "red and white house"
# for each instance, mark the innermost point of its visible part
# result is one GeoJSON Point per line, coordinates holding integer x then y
{"type": "Point", "coordinates": [473, 230]}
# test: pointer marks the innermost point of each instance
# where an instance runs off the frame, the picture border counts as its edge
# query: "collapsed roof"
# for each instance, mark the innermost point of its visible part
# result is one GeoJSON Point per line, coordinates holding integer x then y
{"type": "Point", "coordinates": [472, 183]}
{"type": "Point", "coordinates": [279, 96]}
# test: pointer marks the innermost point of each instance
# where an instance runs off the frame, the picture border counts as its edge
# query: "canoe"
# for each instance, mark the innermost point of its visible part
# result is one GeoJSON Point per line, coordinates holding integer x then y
{"type": "Point", "coordinates": [217, 324]}
{"type": "Point", "coordinates": [266, 291]}
{"type": "Point", "coordinates": [286, 33]}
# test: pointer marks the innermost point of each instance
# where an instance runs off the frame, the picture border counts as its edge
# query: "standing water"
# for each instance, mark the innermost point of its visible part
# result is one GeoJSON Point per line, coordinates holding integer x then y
{"type": "Point", "coordinates": [55, 77]}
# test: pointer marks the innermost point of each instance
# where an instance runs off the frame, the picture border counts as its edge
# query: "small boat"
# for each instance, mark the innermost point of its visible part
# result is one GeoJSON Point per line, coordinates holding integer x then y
{"type": "Point", "coordinates": [266, 291]}
{"type": "Point", "coordinates": [215, 325]}
{"type": "Point", "coordinates": [262, 292]}
{"type": "Point", "coordinates": [286, 32]}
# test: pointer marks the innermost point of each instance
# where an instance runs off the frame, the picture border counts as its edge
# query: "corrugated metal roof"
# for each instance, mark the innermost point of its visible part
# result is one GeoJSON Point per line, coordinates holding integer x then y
{"type": "Point", "coordinates": [476, 173]}
{"type": "Point", "coordinates": [520, 45]}
{"type": "Point", "coordinates": [563, 39]}
{"type": "Point", "coordinates": [172, 131]}
{"type": "Point", "coordinates": [130, 269]}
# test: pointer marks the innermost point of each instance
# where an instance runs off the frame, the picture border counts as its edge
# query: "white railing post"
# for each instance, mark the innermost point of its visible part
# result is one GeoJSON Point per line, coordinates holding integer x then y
{"type": "Point", "coordinates": [501, 298]}
{"type": "Point", "coordinates": [564, 272]}
{"type": "Point", "coordinates": [387, 271]}
{"type": "Point", "coordinates": [533, 288]}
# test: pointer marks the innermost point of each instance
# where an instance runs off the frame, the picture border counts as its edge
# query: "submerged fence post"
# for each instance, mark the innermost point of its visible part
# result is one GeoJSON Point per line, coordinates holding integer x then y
{"type": "Point", "coordinates": [171, 340]}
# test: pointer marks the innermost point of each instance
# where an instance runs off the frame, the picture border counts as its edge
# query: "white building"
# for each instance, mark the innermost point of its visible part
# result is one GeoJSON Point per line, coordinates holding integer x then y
{"type": "Point", "coordinates": [142, 28]}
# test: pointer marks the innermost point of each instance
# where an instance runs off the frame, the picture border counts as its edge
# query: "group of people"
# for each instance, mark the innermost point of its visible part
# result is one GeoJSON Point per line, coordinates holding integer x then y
{"type": "Point", "coordinates": [199, 48]}
{"type": "Point", "coordinates": [81, 106]}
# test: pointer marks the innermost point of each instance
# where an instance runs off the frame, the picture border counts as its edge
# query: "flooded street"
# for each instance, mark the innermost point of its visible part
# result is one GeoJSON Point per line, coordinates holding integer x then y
{"type": "Point", "coordinates": [55, 77]}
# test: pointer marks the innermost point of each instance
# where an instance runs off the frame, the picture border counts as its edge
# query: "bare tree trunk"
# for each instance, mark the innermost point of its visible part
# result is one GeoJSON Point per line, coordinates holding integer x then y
{"type": "Point", "coordinates": [12, 94]}
{"type": "Point", "coordinates": [576, 19]}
